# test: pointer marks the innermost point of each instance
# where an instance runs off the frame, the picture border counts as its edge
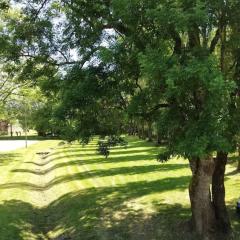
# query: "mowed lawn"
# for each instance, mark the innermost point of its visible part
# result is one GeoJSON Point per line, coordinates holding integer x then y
{"type": "Point", "coordinates": [73, 193]}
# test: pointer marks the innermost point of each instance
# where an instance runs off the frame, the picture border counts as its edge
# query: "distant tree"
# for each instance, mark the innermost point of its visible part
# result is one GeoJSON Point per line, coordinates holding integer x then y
{"type": "Point", "coordinates": [42, 120]}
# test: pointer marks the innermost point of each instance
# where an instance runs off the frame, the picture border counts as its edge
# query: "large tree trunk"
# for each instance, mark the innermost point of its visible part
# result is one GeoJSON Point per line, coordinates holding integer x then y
{"type": "Point", "coordinates": [218, 195]}
{"type": "Point", "coordinates": [203, 212]}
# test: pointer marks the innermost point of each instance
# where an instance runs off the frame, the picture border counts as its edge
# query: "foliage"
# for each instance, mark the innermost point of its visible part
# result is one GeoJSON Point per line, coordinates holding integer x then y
{"type": "Point", "coordinates": [115, 65]}
{"type": "Point", "coordinates": [103, 148]}
{"type": "Point", "coordinates": [86, 104]}
{"type": "Point", "coordinates": [105, 144]}
{"type": "Point", "coordinates": [108, 64]}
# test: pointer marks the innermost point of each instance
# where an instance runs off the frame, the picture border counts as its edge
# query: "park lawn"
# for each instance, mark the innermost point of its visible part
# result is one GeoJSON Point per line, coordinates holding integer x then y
{"type": "Point", "coordinates": [74, 193]}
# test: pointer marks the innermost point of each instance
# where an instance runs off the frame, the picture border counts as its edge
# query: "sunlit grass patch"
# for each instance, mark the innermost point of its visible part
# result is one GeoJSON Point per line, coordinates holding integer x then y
{"type": "Point", "coordinates": [74, 193]}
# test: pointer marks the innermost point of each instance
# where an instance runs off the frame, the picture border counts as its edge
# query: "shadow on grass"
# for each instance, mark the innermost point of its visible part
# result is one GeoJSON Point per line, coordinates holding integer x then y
{"type": "Point", "coordinates": [90, 149]}
{"type": "Point", "coordinates": [122, 155]}
{"type": "Point", "coordinates": [8, 158]}
{"type": "Point", "coordinates": [113, 154]}
{"type": "Point", "coordinates": [131, 170]}
{"type": "Point", "coordinates": [140, 155]}
{"type": "Point", "coordinates": [94, 214]}
{"type": "Point", "coordinates": [233, 159]}
{"type": "Point", "coordinates": [97, 214]}
{"type": "Point", "coordinates": [16, 219]}
{"type": "Point", "coordinates": [40, 164]}
{"type": "Point", "coordinates": [139, 188]}
{"type": "Point", "coordinates": [234, 172]}
{"type": "Point", "coordinates": [103, 213]}
{"type": "Point", "coordinates": [117, 157]}
{"type": "Point", "coordinates": [98, 160]}
{"type": "Point", "coordinates": [235, 220]}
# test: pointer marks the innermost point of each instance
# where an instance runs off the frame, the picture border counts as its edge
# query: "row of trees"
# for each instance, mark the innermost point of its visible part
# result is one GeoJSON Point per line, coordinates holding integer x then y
{"type": "Point", "coordinates": [168, 69]}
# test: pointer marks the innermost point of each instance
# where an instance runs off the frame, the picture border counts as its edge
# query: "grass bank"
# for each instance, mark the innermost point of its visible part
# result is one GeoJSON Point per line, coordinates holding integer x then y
{"type": "Point", "coordinates": [73, 193]}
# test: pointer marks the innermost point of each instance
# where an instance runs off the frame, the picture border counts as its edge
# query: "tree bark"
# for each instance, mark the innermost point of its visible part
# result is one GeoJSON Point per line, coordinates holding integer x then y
{"type": "Point", "coordinates": [203, 212]}
{"type": "Point", "coordinates": [143, 133]}
{"type": "Point", "coordinates": [11, 130]}
{"type": "Point", "coordinates": [131, 128]}
{"type": "Point", "coordinates": [238, 166]}
{"type": "Point", "coordinates": [150, 131]}
{"type": "Point", "coordinates": [218, 195]}
{"type": "Point", "coordinates": [158, 139]}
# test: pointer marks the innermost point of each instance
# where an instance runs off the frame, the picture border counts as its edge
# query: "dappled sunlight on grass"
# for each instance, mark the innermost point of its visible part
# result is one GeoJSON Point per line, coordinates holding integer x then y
{"type": "Point", "coordinates": [74, 193]}
{"type": "Point", "coordinates": [8, 158]}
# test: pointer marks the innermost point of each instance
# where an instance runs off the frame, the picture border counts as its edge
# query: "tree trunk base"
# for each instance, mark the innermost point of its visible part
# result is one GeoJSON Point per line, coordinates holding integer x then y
{"type": "Point", "coordinates": [209, 213]}
{"type": "Point", "coordinates": [203, 214]}
{"type": "Point", "coordinates": [218, 196]}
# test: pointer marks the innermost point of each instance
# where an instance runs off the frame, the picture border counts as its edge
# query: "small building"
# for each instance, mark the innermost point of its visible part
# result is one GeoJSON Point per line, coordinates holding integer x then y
{"type": "Point", "coordinates": [4, 127]}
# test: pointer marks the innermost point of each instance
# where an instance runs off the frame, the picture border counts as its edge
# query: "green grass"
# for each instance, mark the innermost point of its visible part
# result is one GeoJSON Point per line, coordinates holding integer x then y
{"type": "Point", "coordinates": [76, 194]}
{"type": "Point", "coordinates": [30, 137]}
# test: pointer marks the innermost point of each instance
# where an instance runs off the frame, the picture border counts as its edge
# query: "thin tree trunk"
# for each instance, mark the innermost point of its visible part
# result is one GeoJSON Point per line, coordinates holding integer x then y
{"type": "Point", "coordinates": [135, 129]}
{"type": "Point", "coordinates": [150, 131]}
{"type": "Point", "coordinates": [140, 130]}
{"type": "Point", "coordinates": [158, 139]}
{"type": "Point", "coordinates": [131, 128]}
{"type": "Point", "coordinates": [203, 212]}
{"type": "Point", "coordinates": [218, 194]}
{"type": "Point", "coordinates": [11, 130]}
{"type": "Point", "coordinates": [238, 166]}
{"type": "Point", "coordinates": [143, 135]}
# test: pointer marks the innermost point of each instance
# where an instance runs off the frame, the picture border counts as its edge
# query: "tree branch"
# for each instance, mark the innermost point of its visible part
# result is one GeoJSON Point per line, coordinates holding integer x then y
{"type": "Point", "coordinates": [178, 41]}
{"type": "Point", "coordinates": [39, 10]}
{"type": "Point", "coordinates": [215, 40]}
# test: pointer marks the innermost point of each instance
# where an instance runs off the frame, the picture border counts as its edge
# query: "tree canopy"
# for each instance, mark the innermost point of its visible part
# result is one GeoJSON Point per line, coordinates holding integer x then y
{"type": "Point", "coordinates": [168, 68]}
